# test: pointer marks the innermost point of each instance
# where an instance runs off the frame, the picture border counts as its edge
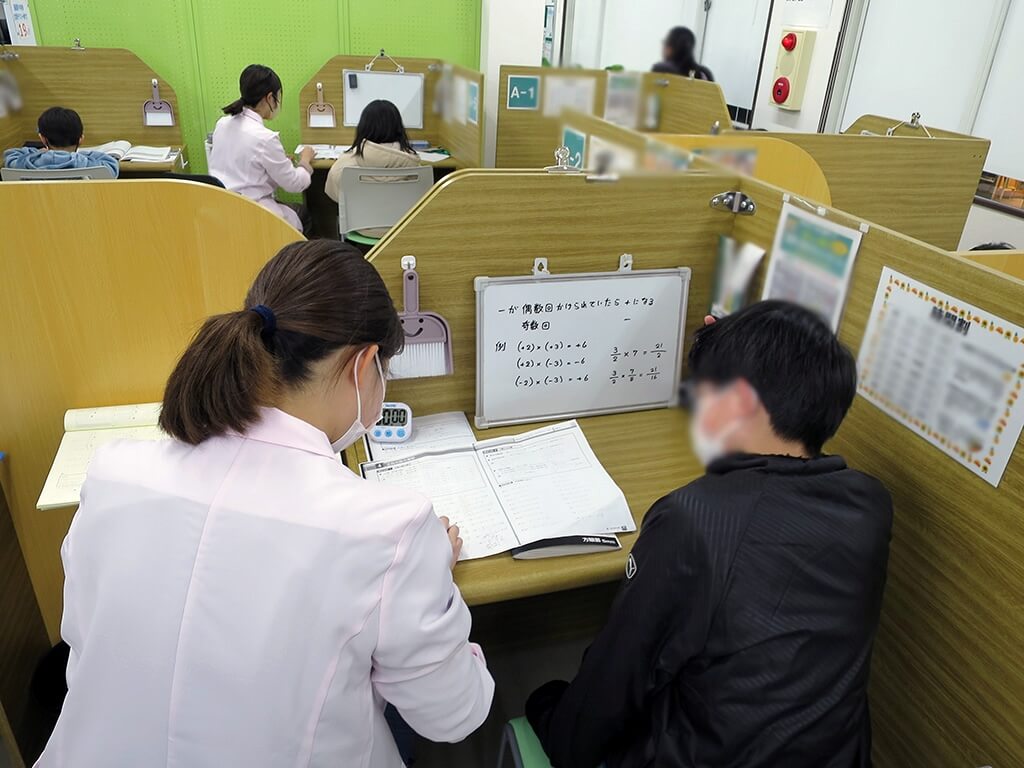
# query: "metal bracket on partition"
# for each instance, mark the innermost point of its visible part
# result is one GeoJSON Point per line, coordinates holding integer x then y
{"type": "Point", "coordinates": [626, 262]}
{"type": "Point", "coordinates": [915, 122]}
{"type": "Point", "coordinates": [562, 162]}
{"type": "Point", "coordinates": [716, 127]}
{"type": "Point", "coordinates": [540, 266]}
{"type": "Point", "coordinates": [661, 82]}
{"type": "Point", "coordinates": [734, 202]}
{"type": "Point", "coordinates": [378, 57]}
{"type": "Point", "coordinates": [435, 67]}
{"type": "Point", "coordinates": [6, 55]}
{"type": "Point", "coordinates": [408, 262]}
{"type": "Point", "coordinates": [77, 45]}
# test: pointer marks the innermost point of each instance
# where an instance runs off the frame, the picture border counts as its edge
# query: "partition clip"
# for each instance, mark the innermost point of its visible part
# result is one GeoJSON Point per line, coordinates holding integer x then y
{"type": "Point", "coordinates": [915, 122]}
{"type": "Point", "coordinates": [76, 45]}
{"type": "Point", "coordinates": [626, 262]}
{"type": "Point", "coordinates": [562, 165]}
{"type": "Point", "coordinates": [540, 266]}
{"type": "Point", "coordinates": [6, 55]}
{"type": "Point", "coordinates": [408, 262]}
{"type": "Point", "coordinates": [716, 128]}
{"type": "Point", "coordinates": [818, 209]}
{"type": "Point", "coordinates": [661, 82]}
{"type": "Point", "coordinates": [734, 202]}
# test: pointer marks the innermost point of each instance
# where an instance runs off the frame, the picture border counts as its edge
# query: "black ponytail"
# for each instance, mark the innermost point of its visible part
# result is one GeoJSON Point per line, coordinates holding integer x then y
{"type": "Point", "coordinates": [255, 82]}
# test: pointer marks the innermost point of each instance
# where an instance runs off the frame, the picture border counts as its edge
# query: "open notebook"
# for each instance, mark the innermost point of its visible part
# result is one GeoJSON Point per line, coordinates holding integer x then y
{"type": "Point", "coordinates": [85, 430]}
{"type": "Point", "coordinates": [513, 491]}
{"type": "Point", "coordinates": [123, 150]}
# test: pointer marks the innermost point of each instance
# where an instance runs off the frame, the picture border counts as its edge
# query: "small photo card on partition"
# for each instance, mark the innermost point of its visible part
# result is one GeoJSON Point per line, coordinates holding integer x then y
{"type": "Point", "coordinates": [811, 262]}
{"type": "Point", "coordinates": [948, 371]}
{"type": "Point", "coordinates": [569, 91]}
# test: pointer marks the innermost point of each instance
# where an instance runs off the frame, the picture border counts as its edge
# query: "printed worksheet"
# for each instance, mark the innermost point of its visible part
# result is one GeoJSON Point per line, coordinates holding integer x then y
{"type": "Point", "coordinates": [430, 434]}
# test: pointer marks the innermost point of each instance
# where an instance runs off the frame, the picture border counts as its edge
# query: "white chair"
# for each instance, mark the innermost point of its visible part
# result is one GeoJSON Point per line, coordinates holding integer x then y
{"type": "Point", "coordinates": [373, 198]}
{"type": "Point", "coordinates": [53, 174]}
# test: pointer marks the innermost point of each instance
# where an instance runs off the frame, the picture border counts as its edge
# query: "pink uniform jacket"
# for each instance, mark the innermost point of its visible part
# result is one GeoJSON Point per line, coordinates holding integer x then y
{"type": "Point", "coordinates": [249, 159]}
{"type": "Point", "coordinates": [251, 602]}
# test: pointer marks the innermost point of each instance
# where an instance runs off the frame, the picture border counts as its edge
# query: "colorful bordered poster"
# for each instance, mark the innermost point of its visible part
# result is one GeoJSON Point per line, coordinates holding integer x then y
{"type": "Point", "coordinates": [949, 371]}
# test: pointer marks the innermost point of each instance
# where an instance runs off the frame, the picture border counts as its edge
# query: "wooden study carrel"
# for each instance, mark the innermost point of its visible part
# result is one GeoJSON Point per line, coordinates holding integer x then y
{"type": "Point", "coordinates": [948, 672]}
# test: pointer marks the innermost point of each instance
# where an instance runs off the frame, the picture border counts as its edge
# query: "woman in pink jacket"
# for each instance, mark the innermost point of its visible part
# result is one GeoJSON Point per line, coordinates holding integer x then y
{"type": "Point", "coordinates": [235, 595]}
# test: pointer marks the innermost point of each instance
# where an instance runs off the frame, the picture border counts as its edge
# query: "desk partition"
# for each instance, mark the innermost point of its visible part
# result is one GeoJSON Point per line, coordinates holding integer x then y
{"type": "Point", "coordinates": [667, 103]}
{"type": "Point", "coordinates": [108, 87]}
{"type": "Point", "coordinates": [948, 673]}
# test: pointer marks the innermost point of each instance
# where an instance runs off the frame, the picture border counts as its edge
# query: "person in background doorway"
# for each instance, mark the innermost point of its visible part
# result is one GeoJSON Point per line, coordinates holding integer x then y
{"type": "Point", "coordinates": [380, 142]}
{"type": "Point", "coordinates": [742, 633]}
{"type": "Point", "coordinates": [61, 132]}
{"type": "Point", "coordinates": [679, 57]}
{"type": "Point", "coordinates": [248, 157]}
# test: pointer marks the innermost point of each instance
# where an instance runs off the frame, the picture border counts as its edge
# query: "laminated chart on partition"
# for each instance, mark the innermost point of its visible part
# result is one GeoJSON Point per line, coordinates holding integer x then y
{"type": "Point", "coordinates": [949, 371]}
{"type": "Point", "coordinates": [570, 345]}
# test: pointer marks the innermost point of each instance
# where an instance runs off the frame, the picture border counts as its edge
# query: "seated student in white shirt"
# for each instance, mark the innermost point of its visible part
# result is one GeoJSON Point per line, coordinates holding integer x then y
{"type": "Point", "coordinates": [248, 157]}
{"type": "Point", "coordinates": [381, 142]}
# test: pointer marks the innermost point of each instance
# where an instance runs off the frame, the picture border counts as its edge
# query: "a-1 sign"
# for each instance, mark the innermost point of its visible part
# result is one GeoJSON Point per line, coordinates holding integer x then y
{"type": "Point", "coordinates": [523, 92]}
{"type": "Point", "coordinates": [576, 142]}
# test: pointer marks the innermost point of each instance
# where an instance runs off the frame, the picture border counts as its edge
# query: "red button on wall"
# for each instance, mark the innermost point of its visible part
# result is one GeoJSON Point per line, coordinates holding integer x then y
{"type": "Point", "coordinates": [789, 41]}
{"type": "Point", "coordinates": [780, 91]}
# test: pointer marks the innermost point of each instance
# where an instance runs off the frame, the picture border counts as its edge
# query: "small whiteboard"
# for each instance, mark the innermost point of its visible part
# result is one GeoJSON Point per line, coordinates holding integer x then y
{"type": "Point", "coordinates": [403, 89]}
{"type": "Point", "coordinates": [560, 346]}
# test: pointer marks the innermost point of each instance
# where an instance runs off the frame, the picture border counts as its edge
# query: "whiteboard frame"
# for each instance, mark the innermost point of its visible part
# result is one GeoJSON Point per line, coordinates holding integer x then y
{"type": "Point", "coordinates": [361, 72]}
{"type": "Point", "coordinates": [480, 284]}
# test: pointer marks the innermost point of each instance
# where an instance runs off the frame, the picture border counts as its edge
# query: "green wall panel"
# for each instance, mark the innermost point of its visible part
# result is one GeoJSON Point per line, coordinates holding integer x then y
{"type": "Point", "coordinates": [431, 29]}
{"type": "Point", "coordinates": [201, 46]}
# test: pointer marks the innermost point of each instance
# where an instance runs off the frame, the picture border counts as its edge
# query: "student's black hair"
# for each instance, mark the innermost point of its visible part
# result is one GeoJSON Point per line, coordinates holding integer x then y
{"type": "Point", "coordinates": [683, 43]}
{"type": "Point", "coordinates": [994, 247]}
{"type": "Point", "coordinates": [381, 123]}
{"type": "Point", "coordinates": [804, 377]}
{"type": "Point", "coordinates": [60, 127]}
{"type": "Point", "coordinates": [255, 82]}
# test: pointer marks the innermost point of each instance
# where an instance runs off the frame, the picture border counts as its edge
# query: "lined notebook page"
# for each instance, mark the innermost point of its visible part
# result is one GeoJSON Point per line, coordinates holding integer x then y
{"type": "Point", "coordinates": [86, 429]}
{"type": "Point", "coordinates": [456, 484]}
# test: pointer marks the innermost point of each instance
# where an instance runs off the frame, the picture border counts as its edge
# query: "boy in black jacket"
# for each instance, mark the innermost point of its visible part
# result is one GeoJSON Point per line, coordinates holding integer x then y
{"type": "Point", "coordinates": [742, 634]}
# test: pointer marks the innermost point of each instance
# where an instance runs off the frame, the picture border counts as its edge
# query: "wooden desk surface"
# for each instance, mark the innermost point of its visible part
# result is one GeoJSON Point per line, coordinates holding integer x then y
{"type": "Point", "coordinates": [647, 453]}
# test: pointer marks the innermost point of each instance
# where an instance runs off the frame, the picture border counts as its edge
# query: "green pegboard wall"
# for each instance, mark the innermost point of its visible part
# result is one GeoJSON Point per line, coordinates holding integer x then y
{"type": "Point", "coordinates": [201, 46]}
{"type": "Point", "coordinates": [438, 29]}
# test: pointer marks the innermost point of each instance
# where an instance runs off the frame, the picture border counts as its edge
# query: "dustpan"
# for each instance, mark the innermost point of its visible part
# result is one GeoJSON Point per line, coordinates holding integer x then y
{"type": "Point", "coordinates": [320, 114]}
{"type": "Point", "coordinates": [156, 111]}
{"type": "Point", "coordinates": [428, 347]}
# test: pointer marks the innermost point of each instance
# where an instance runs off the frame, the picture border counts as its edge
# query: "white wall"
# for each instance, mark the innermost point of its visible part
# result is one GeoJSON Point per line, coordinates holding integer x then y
{"type": "Point", "coordinates": [766, 114]}
{"type": "Point", "coordinates": [511, 32]}
{"type": "Point", "coordinates": [627, 32]}
{"type": "Point", "coordinates": [927, 56]}
{"type": "Point", "coordinates": [1001, 117]}
{"type": "Point", "coordinates": [985, 225]}
{"type": "Point", "coordinates": [732, 46]}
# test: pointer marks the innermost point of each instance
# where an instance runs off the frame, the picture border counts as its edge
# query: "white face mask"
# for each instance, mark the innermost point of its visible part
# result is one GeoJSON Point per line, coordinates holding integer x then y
{"type": "Point", "coordinates": [358, 429]}
{"type": "Point", "coordinates": [709, 447]}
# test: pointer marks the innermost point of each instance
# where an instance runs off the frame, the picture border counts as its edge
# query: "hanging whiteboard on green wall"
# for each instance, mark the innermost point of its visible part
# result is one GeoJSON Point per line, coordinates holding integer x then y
{"type": "Point", "coordinates": [403, 89]}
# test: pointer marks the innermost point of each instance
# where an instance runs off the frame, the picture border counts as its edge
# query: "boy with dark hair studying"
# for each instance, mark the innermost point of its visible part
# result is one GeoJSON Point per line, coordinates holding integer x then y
{"type": "Point", "coordinates": [743, 631]}
{"type": "Point", "coordinates": [61, 132]}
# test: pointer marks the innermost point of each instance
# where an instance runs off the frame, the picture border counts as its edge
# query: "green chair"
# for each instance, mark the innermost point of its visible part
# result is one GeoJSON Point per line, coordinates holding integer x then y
{"type": "Point", "coordinates": [519, 741]}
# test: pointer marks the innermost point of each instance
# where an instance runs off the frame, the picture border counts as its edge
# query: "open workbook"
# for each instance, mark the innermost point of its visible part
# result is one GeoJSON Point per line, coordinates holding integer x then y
{"type": "Point", "coordinates": [85, 430]}
{"type": "Point", "coordinates": [123, 150]}
{"type": "Point", "coordinates": [509, 492]}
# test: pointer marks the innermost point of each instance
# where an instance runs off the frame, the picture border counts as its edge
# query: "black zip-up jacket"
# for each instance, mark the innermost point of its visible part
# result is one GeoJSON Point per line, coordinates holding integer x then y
{"type": "Point", "coordinates": [742, 633]}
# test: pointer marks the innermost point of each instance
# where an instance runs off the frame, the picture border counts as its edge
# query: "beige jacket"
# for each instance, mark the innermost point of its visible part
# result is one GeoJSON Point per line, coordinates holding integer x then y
{"type": "Point", "coordinates": [374, 156]}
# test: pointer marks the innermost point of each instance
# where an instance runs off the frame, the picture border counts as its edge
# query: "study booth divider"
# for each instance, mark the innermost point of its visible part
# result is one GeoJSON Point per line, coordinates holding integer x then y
{"type": "Point", "coordinates": [777, 162]}
{"type": "Point", "coordinates": [921, 187]}
{"type": "Point", "coordinates": [948, 673]}
{"type": "Point", "coordinates": [98, 309]}
{"type": "Point", "coordinates": [450, 121]}
{"type": "Point", "coordinates": [668, 103]}
{"type": "Point", "coordinates": [108, 87]}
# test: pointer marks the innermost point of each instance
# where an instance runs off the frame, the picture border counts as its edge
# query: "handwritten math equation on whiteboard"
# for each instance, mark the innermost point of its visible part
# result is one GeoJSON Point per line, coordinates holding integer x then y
{"type": "Point", "coordinates": [596, 344]}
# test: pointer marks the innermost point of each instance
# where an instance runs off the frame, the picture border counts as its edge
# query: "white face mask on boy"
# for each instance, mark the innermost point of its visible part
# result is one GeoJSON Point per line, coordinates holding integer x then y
{"type": "Point", "coordinates": [358, 428]}
{"type": "Point", "coordinates": [707, 447]}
